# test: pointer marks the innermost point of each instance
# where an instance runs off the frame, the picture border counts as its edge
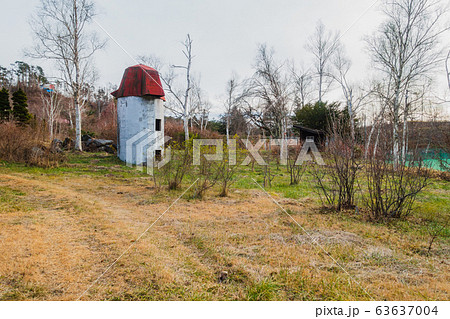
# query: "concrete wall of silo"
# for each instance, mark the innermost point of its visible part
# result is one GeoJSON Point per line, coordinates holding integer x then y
{"type": "Point", "coordinates": [135, 115]}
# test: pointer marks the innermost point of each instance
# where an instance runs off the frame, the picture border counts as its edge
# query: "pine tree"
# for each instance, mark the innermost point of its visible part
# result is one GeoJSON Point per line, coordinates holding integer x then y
{"type": "Point", "coordinates": [5, 106]}
{"type": "Point", "coordinates": [20, 109]}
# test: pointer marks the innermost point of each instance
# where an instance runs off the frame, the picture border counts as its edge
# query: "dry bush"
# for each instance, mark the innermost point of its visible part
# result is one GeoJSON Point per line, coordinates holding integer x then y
{"type": "Point", "coordinates": [295, 171]}
{"type": "Point", "coordinates": [226, 171]}
{"type": "Point", "coordinates": [208, 175]}
{"type": "Point", "coordinates": [176, 169]}
{"type": "Point", "coordinates": [268, 176]}
{"type": "Point", "coordinates": [174, 129]}
{"type": "Point", "coordinates": [337, 180]}
{"type": "Point", "coordinates": [26, 144]}
{"type": "Point", "coordinates": [104, 126]}
{"type": "Point", "coordinates": [226, 177]}
{"type": "Point", "coordinates": [392, 190]}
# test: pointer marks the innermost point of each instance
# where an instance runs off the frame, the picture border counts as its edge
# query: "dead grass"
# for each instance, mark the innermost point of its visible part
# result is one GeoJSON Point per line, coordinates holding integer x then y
{"type": "Point", "coordinates": [58, 233]}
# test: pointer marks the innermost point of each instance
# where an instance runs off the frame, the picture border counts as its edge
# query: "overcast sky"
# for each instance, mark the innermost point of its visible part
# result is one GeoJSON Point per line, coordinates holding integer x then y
{"type": "Point", "coordinates": [225, 34]}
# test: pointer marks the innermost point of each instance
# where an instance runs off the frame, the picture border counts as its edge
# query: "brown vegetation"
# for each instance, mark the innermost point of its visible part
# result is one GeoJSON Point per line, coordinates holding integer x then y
{"type": "Point", "coordinates": [26, 144]}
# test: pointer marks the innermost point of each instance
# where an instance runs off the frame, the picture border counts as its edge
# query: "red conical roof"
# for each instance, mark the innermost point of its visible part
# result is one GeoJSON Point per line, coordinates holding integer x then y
{"type": "Point", "coordinates": [140, 80]}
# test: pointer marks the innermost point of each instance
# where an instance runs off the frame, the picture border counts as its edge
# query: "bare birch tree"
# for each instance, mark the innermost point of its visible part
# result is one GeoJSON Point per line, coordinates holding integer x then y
{"type": "Point", "coordinates": [353, 100]}
{"type": "Point", "coordinates": [447, 68]}
{"type": "Point", "coordinates": [181, 96]}
{"type": "Point", "coordinates": [405, 50]}
{"type": "Point", "coordinates": [200, 107]}
{"type": "Point", "coordinates": [52, 108]}
{"type": "Point", "coordinates": [342, 65]}
{"type": "Point", "coordinates": [302, 87]}
{"type": "Point", "coordinates": [232, 86]}
{"type": "Point", "coordinates": [380, 90]}
{"type": "Point", "coordinates": [235, 93]}
{"type": "Point", "coordinates": [270, 88]}
{"type": "Point", "coordinates": [60, 29]}
{"type": "Point", "coordinates": [322, 45]}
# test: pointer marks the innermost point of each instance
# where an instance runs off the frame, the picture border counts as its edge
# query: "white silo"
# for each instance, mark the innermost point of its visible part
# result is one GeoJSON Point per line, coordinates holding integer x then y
{"type": "Point", "coordinates": [140, 113]}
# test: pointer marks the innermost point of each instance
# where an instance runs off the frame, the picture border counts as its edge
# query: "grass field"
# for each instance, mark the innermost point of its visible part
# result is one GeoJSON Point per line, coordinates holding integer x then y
{"type": "Point", "coordinates": [61, 228]}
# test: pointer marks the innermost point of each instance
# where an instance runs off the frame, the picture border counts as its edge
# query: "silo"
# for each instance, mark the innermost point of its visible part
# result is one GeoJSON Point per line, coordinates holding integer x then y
{"type": "Point", "coordinates": [140, 113]}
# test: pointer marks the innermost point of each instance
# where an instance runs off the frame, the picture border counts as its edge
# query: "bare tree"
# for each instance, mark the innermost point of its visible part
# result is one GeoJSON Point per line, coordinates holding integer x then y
{"type": "Point", "coordinates": [269, 88]}
{"type": "Point", "coordinates": [378, 116]}
{"type": "Point", "coordinates": [342, 65]}
{"type": "Point", "coordinates": [302, 87]}
{"type": "Point", "coordinates": [322, 45]}
{"type": "Point", "coordinates": [200, 107]}
{"type": "Point", "coordinates": [235, 94]}
{"type": "Point", "coordinates": [152, 61]}
{"type": "Point", "coordinates": [404, 49]}
{"type": "Point", "coordinates": [181, 96]}
{"type": "Point", "coordinates": [52, 105]}
{"type": "Point", "coordinates": [447, 68]}
{"type": "Point", "coordinates": [353, 101]}
{"type": "Point", "coordinates": [232, 86]}
{"type": "Point", "coordinates": [60, 29]}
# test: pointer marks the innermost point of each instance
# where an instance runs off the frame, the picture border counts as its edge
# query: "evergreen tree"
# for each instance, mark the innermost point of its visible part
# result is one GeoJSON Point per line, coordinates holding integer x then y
{"type": "Point", "coordinates": [317, 116]}
{"type": "Point", "coordinates": [20, 109]}
{"type": "Point", "coordinates": [5, 106]}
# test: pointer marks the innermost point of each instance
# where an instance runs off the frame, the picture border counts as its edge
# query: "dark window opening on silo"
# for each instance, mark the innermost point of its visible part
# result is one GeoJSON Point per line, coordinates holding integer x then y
{"type": "Point", "coordinates": [158, 125]}
{"type": "Point", "coordinates": [158, 155]}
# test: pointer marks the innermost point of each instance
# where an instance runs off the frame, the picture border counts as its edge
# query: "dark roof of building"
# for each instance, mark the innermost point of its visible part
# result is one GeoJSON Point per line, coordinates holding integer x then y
{"type": "Point", "coordinates": [140, 80]}
{"type": "Point", "coordinates": [308, 130]}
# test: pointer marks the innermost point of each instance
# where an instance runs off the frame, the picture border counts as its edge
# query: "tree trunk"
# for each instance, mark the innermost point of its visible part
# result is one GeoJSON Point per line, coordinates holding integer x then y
{"type": "Point", "coordinates": [228, 128]}
{"type": "Point", "coordinates": [50, 126]}
{"type": "Point", "coordinates": [78, 145]}
{"type": "Point", "coordinates": [186, 127]}
{"type": "Point", "coordinates": [395, 127]}
{"type": "Point", "coordinates": [77, 84]}
{"type": "Point", "coordinates": [369, 138]}
{"type": "Point", "coordinates": [350, 115]}
{"type": "Point", "coordinates": [320, 88]}
{"type": "Point", "coordinates": [405, 129]}
{"type": "Point", "coordinates": [70, 118]}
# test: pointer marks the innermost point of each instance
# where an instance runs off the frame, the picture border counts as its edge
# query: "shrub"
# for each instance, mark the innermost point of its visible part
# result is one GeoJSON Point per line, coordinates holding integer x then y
{"type": "Point", "coordinates": [226, 172]}
{"type": "Point", "coordinates": [176, 169]}
{"type": "Point", "coordinates": [391, 192]}
{"type": "Point", "coordinates": [295, 171]}
{"type": "Point", "coordinates": [393, 189]}
{"type": "Point", "coordinates": [105, 125]}
{"type": "Point", "coordinates": [25, 144]}
{"type": "Point", "coordinates": [174, 128]}
{"type": "Point", "coordinates": [208, 176]}
{"type": "Point", "coordinates": [336, 180]}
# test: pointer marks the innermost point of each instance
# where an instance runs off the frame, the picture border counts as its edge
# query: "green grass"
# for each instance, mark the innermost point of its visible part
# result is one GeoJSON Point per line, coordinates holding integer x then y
{"type": "Point", "coordinates": [95, 164]}
{"type": "Point", "coordinates": [12, 200]}
{"type": "Point", "coordinates": [18, 290]}
{"type": "Point", "coordinates": [263, 290]}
